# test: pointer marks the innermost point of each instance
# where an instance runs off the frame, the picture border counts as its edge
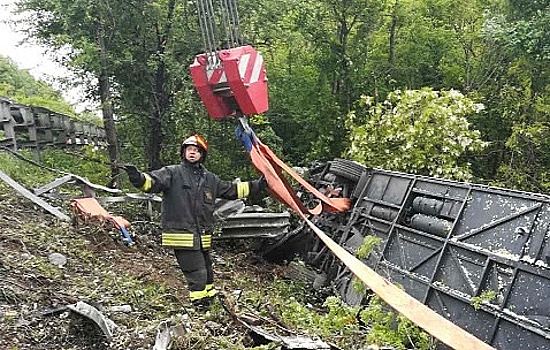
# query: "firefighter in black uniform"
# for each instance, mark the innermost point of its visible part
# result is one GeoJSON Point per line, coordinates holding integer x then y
{"type": "Point", "coordinates": [188, 194]}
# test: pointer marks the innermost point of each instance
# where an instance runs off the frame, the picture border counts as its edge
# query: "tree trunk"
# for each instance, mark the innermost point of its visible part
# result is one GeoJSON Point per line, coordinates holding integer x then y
{"type": "Point", "coordinates": [107, 111]}
{"type": "Point", "coordinates": [346, 77]}
{"type": "Point", "coordinates": [155, 136]}
{"type": "Point", "coordinates": [391, 56]}
{"type": "Point", "coordinates": [161, 96]}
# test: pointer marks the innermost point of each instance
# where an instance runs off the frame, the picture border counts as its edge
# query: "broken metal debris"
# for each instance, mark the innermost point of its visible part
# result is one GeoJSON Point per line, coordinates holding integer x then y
{"type": "Point", "coordinates": [35, 199]}
{"type": "Point", "coordinates": [166, 333]}
{"type": "Point", "coordinates": [106, 325]}
{"type": "Point", "coordinates": [36, 315]}
{"type": "Point", "coordinates": [87, 186]}
{"type": "Point", "coordinates": [258, 224]}
{"type": "Point", "coordinates": [262, 336]}
{"type": "Point", "coordinates": [225, 208]}
{"type": "Point", "coordinates": [236, 219]}
{"type": "Point", "coordinates": [288, 342]}
{"type": "Point", "coordinates": [240, 221]}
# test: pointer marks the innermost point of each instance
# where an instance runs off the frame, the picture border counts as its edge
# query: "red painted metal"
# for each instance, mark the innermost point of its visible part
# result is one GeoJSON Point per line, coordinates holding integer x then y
{"type": "Point", "coordinates": [238, 82]}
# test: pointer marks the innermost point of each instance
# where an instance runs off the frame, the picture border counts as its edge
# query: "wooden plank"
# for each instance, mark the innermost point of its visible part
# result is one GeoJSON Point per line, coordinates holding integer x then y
{"type": "Point", "coordinates": [37, 200]}
{"type": "Point", "coordinates": [429, 320]}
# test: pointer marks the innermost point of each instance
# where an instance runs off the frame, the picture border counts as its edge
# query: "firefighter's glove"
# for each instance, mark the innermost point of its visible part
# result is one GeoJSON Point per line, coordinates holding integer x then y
{"type": "Point", "coordinates": [262, 183]}
{"type": "Point", "coordinates": [134, 175]}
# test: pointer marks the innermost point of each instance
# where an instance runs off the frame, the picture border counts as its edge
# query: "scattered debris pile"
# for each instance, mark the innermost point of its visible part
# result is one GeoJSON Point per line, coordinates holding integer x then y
{"type": "Point", "coordinates": [65, 286]}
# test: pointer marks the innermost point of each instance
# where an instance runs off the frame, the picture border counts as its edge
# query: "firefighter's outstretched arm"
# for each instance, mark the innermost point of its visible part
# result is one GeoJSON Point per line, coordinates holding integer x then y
{"type": "Point", "coordinates": [136, 177]}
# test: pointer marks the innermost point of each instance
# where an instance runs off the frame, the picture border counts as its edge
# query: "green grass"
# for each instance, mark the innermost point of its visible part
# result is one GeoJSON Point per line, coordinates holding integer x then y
{"type": "Point", "coordinates": [94, 273]}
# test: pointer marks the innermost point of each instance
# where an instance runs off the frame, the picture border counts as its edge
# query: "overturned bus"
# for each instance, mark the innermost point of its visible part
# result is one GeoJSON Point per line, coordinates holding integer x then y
{"type": "Point", "coordinates": [448, 244]}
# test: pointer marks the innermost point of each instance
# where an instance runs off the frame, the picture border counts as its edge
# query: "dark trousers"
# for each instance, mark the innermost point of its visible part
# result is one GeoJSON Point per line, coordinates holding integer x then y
{"type": "Point", "coordinates": [197, 268]}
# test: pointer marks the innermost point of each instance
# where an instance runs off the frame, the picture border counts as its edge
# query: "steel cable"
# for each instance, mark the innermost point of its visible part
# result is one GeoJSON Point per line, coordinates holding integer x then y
{"type": "Point", "coordinates": [202, 24]}
{"type": "Point", "coordinates": [228, 24]}
{"type": "Point", "coordinates": [211, 21]}
{"type": "Point", "coordinates": [234, 15]}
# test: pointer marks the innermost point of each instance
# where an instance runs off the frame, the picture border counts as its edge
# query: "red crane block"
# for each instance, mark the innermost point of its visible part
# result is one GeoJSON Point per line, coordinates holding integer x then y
{"type": "Point", "coordinates": [238, 82]}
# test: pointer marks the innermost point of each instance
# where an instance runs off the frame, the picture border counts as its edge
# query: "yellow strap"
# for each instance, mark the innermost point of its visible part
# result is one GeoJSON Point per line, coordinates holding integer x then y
{"type": "Point", "coordinates": [148, 183]}
{"type": "Point", "coordinates": [411, 308]}
{"type": "Point", "coordinates": [243, 189]}
{"type": "Point", "coordinates": [178, 239]}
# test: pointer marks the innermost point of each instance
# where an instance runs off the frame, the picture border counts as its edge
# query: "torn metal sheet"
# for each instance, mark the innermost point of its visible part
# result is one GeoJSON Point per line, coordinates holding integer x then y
{"type": "Point", "coordinates": [301, 342]}
{"type": "Point", "coordinates": [166, 332]}
{"type": "Point", "coordinates": [255, 224]}
{"type": "Point", "coordinates": [225, 208]}
{"type": "Point", "coordinates": [106, 325]}
{"type": "Point", "coordinates": [83, 181]}
{"type": "Point", "coordinates": [72, 178]}
{"type": "Point", "coordinates": [131, 196]}
{"type": "Point", "coordinates": [296, 342]}
{"type": "Point", "coordinates": [260, 335]}
{"type": "Point", "coordinates": [52, 185]}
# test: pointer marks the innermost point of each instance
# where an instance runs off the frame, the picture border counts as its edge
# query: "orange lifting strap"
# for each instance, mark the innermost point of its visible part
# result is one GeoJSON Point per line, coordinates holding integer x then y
{"type": "Point", "coordinates": [271, 167]}
{"type": "Point", "coordinates": [89, 208]}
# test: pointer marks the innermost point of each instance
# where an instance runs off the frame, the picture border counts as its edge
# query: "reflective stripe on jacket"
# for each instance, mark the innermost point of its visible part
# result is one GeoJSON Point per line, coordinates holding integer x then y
{"type": "Point", "coordinates": [185, 240]}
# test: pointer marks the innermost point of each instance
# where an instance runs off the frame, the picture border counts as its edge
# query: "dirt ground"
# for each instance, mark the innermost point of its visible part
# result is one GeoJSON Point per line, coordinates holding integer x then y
{"type": "Point", "coordinates": [100, 270]}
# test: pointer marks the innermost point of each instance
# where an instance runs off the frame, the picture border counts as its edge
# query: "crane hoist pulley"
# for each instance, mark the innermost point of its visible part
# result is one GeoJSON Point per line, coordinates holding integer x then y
{"type": "Point", "coordinates": [229, 77]}
{"type": "Point", "coordinates": [232, 81]}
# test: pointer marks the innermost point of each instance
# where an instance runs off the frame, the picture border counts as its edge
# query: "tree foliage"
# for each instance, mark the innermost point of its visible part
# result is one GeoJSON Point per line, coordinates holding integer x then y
{"type": "Point", "coordinates": [21, 87]}
{"type": "Point", "coordinates": [519, 96]}
{"type": "Point", "coordinates": [418, 131]}
{"type": "Point", "coordinates": [321, 57]}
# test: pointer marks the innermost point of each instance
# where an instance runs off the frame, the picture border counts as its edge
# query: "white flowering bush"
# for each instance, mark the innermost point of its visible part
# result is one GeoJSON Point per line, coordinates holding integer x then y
{"type": "Point", "coordinates": [416, 131]}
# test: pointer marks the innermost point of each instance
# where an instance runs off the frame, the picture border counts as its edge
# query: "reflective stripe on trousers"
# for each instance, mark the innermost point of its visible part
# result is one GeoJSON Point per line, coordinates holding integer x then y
{"type": "Point", "coordinates": [207, 292]}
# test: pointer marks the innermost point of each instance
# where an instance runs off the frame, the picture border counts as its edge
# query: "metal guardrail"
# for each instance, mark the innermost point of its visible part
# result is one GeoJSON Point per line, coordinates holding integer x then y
{"type": "Point", "coordinates": [35, 127]}
{"type": "Point", "coordinates": [236, 220]}
{"type": "Point", "coordinates": [255, 224]}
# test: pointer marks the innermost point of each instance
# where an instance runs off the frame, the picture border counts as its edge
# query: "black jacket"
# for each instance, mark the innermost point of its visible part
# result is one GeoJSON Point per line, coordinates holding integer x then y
{"type": "Point", "coordinates": [189, 192]}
